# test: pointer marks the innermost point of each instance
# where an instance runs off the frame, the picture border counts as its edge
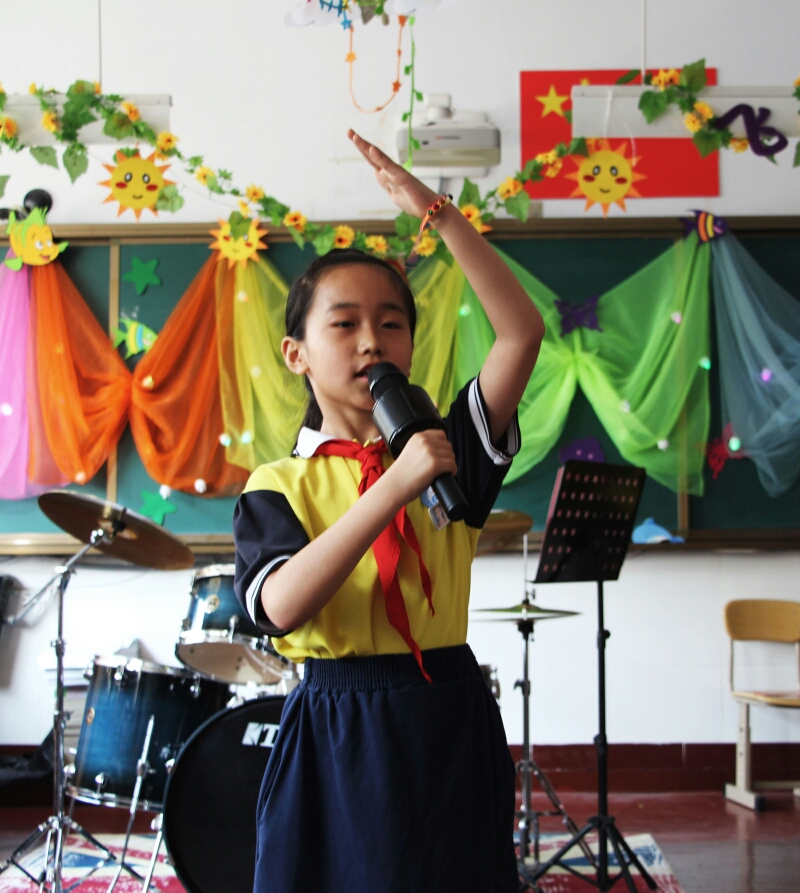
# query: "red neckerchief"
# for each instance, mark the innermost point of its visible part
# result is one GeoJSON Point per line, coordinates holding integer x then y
{"type": "Point", "coordinates": [387, 546]}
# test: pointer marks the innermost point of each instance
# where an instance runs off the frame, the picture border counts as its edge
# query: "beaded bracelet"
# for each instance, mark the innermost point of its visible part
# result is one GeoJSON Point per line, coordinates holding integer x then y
{"type": "Point", "coordinates": [427, 217]}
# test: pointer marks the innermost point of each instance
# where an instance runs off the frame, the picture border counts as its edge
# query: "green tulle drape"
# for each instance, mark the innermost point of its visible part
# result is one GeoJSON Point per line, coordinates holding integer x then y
{"type": "Point", "coordinates": [642, 373]}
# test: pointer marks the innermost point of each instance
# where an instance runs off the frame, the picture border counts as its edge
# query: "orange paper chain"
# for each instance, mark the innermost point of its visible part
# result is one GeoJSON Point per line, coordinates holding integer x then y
{"type": "Point", "coordinates": [350, 58]}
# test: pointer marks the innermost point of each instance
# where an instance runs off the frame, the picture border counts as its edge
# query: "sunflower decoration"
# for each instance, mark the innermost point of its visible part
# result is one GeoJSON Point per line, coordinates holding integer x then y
{"type": "Point", "coordinates": [377, 245]}
{"type": "Point", "coordinates": [136, 182]}
{"type": "Point", "coordinates": [238, 238]}
{"type": "Point", "coordinates": [473, 214]}
{"type": "Point", "coordinates": [343, 236]}
{"type": "Point", "coordinates": [296, 221]}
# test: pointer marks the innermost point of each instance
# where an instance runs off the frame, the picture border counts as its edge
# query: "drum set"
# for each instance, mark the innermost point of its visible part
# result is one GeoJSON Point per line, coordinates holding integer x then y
{"type": "Point", "coordinates": [192, 743]}
{"type": "Point", "coordinates": [189, 743]}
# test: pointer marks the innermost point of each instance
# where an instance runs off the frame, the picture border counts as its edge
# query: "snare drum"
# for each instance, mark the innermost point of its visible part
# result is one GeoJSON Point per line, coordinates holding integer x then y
{"type": "Point", "coordinates": [211, 797]}
{"type": "Point", "coordinates": [123, 694]}
{"type": "Point", "coordinates": [219, 640]}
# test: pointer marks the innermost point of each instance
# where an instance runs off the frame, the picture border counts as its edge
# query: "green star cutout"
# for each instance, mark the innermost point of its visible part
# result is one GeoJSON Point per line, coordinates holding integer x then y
{"type": "Point", "coordinates": [142, 275]}
{"type": "Point", "coordinates": [156, 507]}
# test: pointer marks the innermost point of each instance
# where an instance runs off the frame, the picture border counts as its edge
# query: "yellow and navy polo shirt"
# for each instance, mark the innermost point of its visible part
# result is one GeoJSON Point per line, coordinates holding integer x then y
{"type": "Point", "coordinates": [288, 503]}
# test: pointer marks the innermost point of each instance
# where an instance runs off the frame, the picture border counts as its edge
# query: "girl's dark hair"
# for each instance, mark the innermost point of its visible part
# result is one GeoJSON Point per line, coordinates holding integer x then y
{"type": "Point", "coordinates": [301, 296]}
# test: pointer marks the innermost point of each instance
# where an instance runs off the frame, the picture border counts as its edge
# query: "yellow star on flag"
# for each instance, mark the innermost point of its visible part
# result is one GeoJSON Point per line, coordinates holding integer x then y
{"type": "Point", "coordinates": [552, 102]}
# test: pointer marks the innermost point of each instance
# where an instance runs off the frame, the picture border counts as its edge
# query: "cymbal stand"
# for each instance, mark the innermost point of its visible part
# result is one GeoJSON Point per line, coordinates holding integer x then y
{"type": "Point", "coordinates": [54, 830]}
{"type": "Point", "coordinates": [527, 768]}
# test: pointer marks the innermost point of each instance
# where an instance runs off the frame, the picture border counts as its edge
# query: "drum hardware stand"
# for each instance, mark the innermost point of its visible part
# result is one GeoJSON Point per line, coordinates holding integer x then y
{"type": "Point", "coordinates": [156, 825]}
{"type": "Point", "coordinates": [527, 767]}
{"type": "Point", "coordinates": [142, 770]}
{"type": "Point", "coordinates": [593, 550]}
{"type": "Point", "coordinates": [54, 830]}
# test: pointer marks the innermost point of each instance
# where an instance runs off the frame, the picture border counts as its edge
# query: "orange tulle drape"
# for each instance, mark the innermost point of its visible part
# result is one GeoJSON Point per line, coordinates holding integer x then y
{"type": "Point", "coordinates": [83, 386]}
{"type": "Point", "coordinates": [175, 412]}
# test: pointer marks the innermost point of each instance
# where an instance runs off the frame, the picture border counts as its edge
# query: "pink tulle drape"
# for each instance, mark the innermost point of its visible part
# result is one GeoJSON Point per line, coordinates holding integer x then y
{"type": "Point", "coordinates": [14, 418]}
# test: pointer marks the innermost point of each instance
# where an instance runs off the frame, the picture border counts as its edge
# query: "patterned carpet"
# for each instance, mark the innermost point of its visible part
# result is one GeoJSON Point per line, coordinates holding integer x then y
{"type": "Point", "coordinates": [560, 880]}
{"type": "Point", "coordinates": [82, 857]}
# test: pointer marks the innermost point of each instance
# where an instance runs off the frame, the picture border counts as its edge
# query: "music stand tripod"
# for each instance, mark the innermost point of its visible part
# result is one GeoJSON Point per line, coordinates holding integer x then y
{"type": "Point", "coordinates": [588, 529]}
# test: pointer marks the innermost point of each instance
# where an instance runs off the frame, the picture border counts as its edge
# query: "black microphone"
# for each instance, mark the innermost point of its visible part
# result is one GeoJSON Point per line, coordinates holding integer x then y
{"type": "Point", "coordinates": [402, 409]}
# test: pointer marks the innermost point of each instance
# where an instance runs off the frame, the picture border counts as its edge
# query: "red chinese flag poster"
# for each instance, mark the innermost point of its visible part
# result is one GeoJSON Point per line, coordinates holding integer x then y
{"type": "Point", "coordinates": [641, 167]}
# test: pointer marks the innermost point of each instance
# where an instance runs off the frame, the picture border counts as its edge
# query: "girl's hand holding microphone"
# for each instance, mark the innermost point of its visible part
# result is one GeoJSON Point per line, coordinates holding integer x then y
{"type": "Point", "coordinates": [426, 455]}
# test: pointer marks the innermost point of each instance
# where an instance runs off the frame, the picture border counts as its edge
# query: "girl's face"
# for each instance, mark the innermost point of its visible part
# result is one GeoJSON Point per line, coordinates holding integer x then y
{"type": "Point", "coordinates": [357, 319]}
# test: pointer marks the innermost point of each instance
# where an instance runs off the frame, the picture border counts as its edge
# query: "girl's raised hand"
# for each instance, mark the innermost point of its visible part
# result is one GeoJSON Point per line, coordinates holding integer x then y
{"type": "Point", "coordinates": [405, 190]}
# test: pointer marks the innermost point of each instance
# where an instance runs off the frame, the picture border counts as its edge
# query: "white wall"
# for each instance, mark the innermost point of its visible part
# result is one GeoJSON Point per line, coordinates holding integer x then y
{"type": "Point", "coordinates": [271, 103]}
{"type": "Point", "coordinates": [667, 658]}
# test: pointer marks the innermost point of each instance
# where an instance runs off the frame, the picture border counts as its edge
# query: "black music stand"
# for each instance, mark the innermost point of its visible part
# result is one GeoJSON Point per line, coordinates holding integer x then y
{"type": "Point", "coordinates": [586, 537]}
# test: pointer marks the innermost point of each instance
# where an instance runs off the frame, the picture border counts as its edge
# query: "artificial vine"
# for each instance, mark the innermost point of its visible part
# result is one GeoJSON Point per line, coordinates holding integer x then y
{"type": "Point", "coordinates": [709, 131]}
{"type": "Point", "coordinates": [85, 104]}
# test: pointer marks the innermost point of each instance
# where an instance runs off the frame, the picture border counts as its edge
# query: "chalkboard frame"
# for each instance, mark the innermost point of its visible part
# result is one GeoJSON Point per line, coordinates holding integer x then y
{"type": "Point", "coordinates": [114, 236]}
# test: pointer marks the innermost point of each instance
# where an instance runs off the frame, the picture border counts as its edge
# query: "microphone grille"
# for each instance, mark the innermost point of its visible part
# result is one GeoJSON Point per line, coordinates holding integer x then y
{"type": "Point", "coordinates": [384, 376]}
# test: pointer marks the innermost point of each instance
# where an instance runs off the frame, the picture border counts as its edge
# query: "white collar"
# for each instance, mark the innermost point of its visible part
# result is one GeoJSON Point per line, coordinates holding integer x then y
{"type": "Point", "coordinates": [308, 440]}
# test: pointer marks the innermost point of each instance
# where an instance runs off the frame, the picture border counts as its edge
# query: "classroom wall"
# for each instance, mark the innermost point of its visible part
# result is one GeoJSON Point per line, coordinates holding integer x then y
{"type": "Point", "coordinates": [271, 104]}
{"type": "Point", "coordinates": [667, 658]}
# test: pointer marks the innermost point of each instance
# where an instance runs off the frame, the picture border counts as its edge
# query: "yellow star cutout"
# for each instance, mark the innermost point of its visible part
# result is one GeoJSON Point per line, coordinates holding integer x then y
{"type": "Point", "coordinates": [552, 102]}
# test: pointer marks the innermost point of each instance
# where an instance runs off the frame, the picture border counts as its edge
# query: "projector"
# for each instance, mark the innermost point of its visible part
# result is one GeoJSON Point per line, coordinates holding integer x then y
{"type": "Point", "coordinates": [453, 143]}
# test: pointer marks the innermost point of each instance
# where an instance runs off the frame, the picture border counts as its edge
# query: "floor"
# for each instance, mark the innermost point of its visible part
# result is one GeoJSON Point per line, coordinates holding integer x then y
{"type": "Point", "coordinates": [713, 846]}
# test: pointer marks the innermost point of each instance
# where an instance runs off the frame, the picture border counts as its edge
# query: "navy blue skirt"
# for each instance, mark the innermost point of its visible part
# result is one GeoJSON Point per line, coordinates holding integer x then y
{"type": "Point", "coordinates": [381, 782]}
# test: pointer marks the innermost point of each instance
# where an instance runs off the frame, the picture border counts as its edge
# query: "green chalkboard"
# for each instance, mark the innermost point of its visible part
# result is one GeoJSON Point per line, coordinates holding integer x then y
{"type": "Point", "coordinates": [573, 267]}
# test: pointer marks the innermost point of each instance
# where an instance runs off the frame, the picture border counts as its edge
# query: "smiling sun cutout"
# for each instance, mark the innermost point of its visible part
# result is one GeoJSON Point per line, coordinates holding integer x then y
{"type": "Point", "coordinates": [135, 182]}
{"type": "Point", "coordinates": [238, 239]}
{"type": "Point", "coordinates": [606, 175]}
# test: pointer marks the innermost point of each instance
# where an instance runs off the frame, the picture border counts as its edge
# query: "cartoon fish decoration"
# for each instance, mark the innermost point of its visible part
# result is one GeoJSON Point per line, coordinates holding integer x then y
{"type": "Point", "coordinates": [136, 338]}
{"type": "Point", "coordinates": [650, 532]}
{"type": "Point", "coordinates": [31, 240]}
{"type": "Point", "coordinates": [705, 224]}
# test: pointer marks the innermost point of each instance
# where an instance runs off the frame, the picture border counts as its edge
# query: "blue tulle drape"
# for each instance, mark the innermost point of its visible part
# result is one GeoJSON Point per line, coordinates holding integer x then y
{"type": "Point", "coordinates": [758, 336]}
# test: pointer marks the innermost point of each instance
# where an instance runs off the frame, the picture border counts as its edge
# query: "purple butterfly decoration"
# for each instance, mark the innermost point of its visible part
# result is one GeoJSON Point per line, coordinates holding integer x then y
{"type": "Point", "coordinates": [574, 316]}
{"type": "Point", "coordinates": [587, 449]}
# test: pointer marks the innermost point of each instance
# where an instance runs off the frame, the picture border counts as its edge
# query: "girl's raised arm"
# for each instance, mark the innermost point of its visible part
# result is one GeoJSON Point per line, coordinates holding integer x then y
{"type": "Point", "coordinates": [517, 323]}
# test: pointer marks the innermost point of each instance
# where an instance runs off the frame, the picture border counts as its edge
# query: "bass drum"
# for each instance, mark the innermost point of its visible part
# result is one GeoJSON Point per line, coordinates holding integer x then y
{"type": "Point", "coordinates": [211, 797]}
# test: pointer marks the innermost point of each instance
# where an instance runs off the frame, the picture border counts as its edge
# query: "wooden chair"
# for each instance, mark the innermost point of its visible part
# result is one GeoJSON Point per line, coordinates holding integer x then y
{"type": "Point", "coordinates": [762, 620]}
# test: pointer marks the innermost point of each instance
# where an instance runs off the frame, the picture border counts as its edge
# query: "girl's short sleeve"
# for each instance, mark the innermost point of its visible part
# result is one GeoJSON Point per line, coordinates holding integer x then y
{"type": "Point", "coordinates": [266, 533]}
{"type": "Point", "coordinates": [482, 465]}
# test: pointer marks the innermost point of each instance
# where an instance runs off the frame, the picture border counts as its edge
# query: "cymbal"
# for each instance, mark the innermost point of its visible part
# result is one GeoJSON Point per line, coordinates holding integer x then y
{"type": "Point", "coordinates": [502, 527]}
{"type": "Point", "coordinates": [139, 540]}
{"type": "Point", "coordinates": [516, 612]}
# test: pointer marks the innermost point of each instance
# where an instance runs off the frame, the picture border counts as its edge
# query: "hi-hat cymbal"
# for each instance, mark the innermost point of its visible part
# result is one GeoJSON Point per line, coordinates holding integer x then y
{"type": "Point", "coordinates": [525, 610]}
{"type": "Point", "coordinates": [502, 527]}
{"type": "Point", "coordinates": [138, 539]}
